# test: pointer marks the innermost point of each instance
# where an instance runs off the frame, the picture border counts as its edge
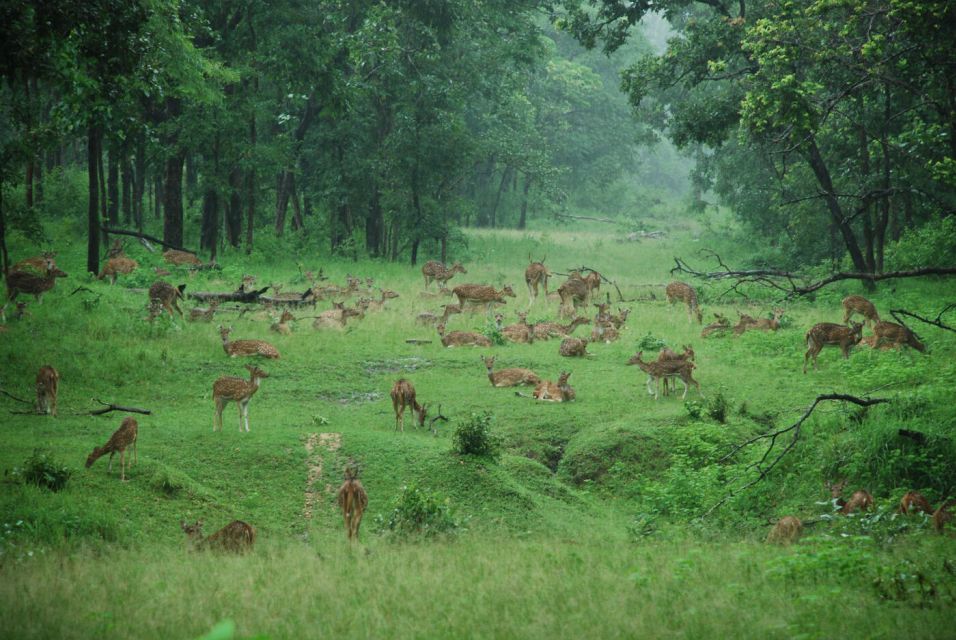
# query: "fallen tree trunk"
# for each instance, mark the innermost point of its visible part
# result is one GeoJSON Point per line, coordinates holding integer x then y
{"type": "Point", "coordinates": [144, 236]}
{"type": "Point", "coordinates": [109, 406]}
{"type": "Point", "coordinates": [245, 297]}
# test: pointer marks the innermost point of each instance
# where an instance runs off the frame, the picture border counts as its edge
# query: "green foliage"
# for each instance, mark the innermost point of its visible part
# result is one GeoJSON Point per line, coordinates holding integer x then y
{"type": "Point", "coordinates": [717, 407]}
{"type": "Point", "coordinates": [930, 245]}
{"type": "Point", "coordinates": [43, 470]}
{"type": "Point", "coordinates": [474, 437]}
{"type": "Point", "coordinates": [417, 512]}
{"type": "Point", "coordinates": [650, 342]}
{"type": "Point", "coordinates": [493, 333]}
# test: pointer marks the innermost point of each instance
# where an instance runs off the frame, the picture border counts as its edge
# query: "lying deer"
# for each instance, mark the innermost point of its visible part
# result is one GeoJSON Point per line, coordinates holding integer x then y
{"type": "Point", "coordinates": [828, 333]}
{"type": "Point", "coordinates": [403, 395]}
{"type": "Point", "coordinates": [547, 391]}
{"type": "Point", "coordinates": [462, 338]}
{"type": "Point", "coordinates": [198, 314]}
{"type": "Point", "coordinates": [435, 270]}
{"type": "Point", "coordinates": [680, 292]}
{"type": "Point", "coordinates": [536, 274]}
{"type": "Point", "coordinates": [545, 330]}
{"type": "Point", "coordinates": [860, 500]}
{"type": "Point", "coordinates": [862, 306]}
{"type": "Point", "coordinates": [282, 325]}
{"type": "Point", "coordinates": [47, 385]}
{"type": "Point", "coordinates": [229, 388]}
{"type": "Point", "coordinates": [574, 348]}
{"type": "Point", "coordinates": [509, 377]}
{"type": "Point", "coordinates": [235, 537]}
{"type": "Point", "coordinates": [759, 324]}
{"type": "Point", "coordinates": [605, 333]}
{"type": "Point", "coordinates": [379, 305]}
{"type": "Point", "coordinates": [480, 294]}
{"type": "Point", "coordinates": [25, 282]}
{"type": "Point", "coordinates": [178, 258]}
{"type": "Point", "coordinates": [621, 318]}
{"type": "Point", "coordinates": [657, 371]}
{"type": "Point", "coordinates": [352, 501]}
{"type": "Point", "coordinates": [914, 501]}
{"type": "Point", "coordinates": [520, 332]}
{"type": "Point", "coordinates": [895, 335]}
{"type": "Point", "coordinates": [719, 324]}
{"type": "Point", "coordinates": [246, 347]}
{"type": "Point", "coordinates": [427, 318]}
{"type": "Point", "coordinates": [787, 530]}
{"type": "Point", "coordinates": [121, 439]}
{"type": "Point", "coordinates": [165, 294]}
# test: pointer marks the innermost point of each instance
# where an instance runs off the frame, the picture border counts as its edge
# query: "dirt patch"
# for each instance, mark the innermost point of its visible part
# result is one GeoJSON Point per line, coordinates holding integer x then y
{"type": "Point", "coordinates": [352, 397]}
{"type": "Point", "coordinates": [400, 365]}
{"type": "Point", "coordinates": [315, 443]}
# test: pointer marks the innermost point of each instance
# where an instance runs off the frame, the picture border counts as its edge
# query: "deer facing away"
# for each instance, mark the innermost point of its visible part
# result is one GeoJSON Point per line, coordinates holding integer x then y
{"type": "Point", "coordinates": [235, 537]}
{"type": "Point", "coordinates": [862, 306]}
{"type": "Point", "coordinates": [829, 333]}
{"type": "Point", "coordinates": [574, 348]}
{"type": "Point", "coordinates": [165, 294]}
{"type": "Point", "coordinates": [681, 292]}
{"type": "Point", "coordinates": [353, 501]}
{"type": "Point", "coordinates": [534, 275]}
{"type": "Point", "coordinates": [122, 438]}
{"type": "Point", "coordinates": [914, 501]}
{"type": "Point", "coordinates": [403, 395]}
{"type": "Point", "coordinates": [509, 377]}
{"type": "Point", "coordinates": [47, 385]}
{"type": "Point", "coordinates": [787, 530]}
{"type": "Point", "coordinates": [241, 391]}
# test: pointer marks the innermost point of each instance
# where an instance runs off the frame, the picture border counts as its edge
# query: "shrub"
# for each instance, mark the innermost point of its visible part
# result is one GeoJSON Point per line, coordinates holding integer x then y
{"type": "Point", "coordinates": [493, 333]}
{"type": "Point", "coordinates": [650, 343]}
{"type": "Point", "coordinates": [694, 409]}
{"type": "Point", "coordinates": [417, 512]}
{"type": "Point", "coordinates": [42, 470]}
{"type": "Point", "coordinates": [717, 407]}
{"type": "Point", "coordinates": [474, 437]}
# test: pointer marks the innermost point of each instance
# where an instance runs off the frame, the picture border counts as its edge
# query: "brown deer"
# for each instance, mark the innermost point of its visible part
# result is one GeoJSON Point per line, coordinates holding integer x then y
{"type": "Point", "coordinates": [943, 515]}
{"type": "Point", "coordinates": [246, 347]}
{"type": "Point", "coordinates": [545, 330]}
{"type": "Point", "coordinates": [759, 324]}
{"type": "Point", "coordinates": [787, 530]}
{"type": "Point", "coordinates": [621, 318]}
{"type": "Point", "coordinates": [462, 338]}
{"type": "Point", "coordinates": [509, 377]}
{"type": "Point", "coordinates": [536, 274]}
{"type": "Point", "coordinates": [116, 249]}
{"type": "Point", "coordinates": [896, 335]}
{"type": "Point", "coordinates": [282, 325]}
{"type": "Point", "coordinates": [720, 323]}
{"type": "Point", "coordinates": [199, 314]}
{"type": "Point", "coordinates": [427, 318]}
{"type": "Point", "coordinates": [47, 384]}
{"type": "Point", "coordinates": [605, 333]}
{"type": "Point", "coordinates": [914, 501]}
{"type": "Point", "coordinates": [574, 293]}
{"type": "Point", "coordinates": [229, 388]}
{"type": "Point", "coordinates": [118, 265]}
{"type": "Point", "coordinates": [179, 258]}
{"type": "Point", "coordinates": [167, 295]}
{"type": "Point", "coordinates": [669, 355]}
{"type": "Point", "coordinates": [403, 395]}
{"type": "Point", "coordinates": [548, 391]}
{"type": "Point", "coordinates": [861, 500]}
{"type": "Point", "coordinates": [862, 306]}
{"type": "Point", "coordinates": [681, 292]}
{"type": "Point", "coordinates": [37, 264]}
{"type": "Point", "coordinates": [435, 270]}
{"type": "Point", "coordinates": [122, 438]}
{"type": "Point", "coordinates": [574, 348]}
{"type": "Point", "coordinates": [480, 294]}
{"type": "Point", "coordinates": [520, 332]}
{"type": "Point", "coordinates": [352, 501]}
{"type": "Point", "coordinates": [25, 282]}
{"type": "Point", "coordinates": [682, 370]}
{"type": "Point", "coordinates": [829, 333]}
{"type": "Point", "coordinates": [235, 537]}
{"type": "Point", "coordinates": [379, 305]}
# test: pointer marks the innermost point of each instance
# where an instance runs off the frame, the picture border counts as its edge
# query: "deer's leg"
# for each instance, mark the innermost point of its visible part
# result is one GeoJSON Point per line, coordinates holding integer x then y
{"type": "Point", "coordinates": [135, 452]}
{"type": "Point", "coordinates": [123, 465]}
{"type": "Point", "coordinates": [217, 418]}
{"type": "Point", "coordinates": [683, 382]}
{"type": "Point", "coordinates": [109, 469]}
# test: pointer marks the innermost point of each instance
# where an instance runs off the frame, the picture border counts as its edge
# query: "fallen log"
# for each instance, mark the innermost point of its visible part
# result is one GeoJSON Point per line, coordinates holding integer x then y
{"type": "Point", "coordinates": [240, 295]}
{"type": "Point", "coordinates": [109, 406]}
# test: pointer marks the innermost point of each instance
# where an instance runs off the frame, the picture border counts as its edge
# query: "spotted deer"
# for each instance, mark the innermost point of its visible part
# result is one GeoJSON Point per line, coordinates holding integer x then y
{"type": "Point", "coordinates": [862, 306]}
{"type": "Point", "coordinates": [829, 333]}
{"type": "Point", "coordinates": [574, 348]}
{"type": "Point", "coordinates": [605, 333]}
{"type": "Point", "coordinates": [574, 293]}
{"type": "Point", "coordinates": [561, 391]}
{"type": "Point", "coordinates": [621, 318]}
{"type": "Point", "coordinates": [241, 391]}
{"type": "Point", "coordinates": [860, 500]}
{"type": "Point", "coordinates": [235, 348]}
{"type": "Point", "coordinates": [545, 330]}
{"type": "Point", "coordinates": [353, 501]}
{"type": "Point", "coordinates": [36, 264]}
{"type": "Point", "coordinates": [896, 335]}
{"type": "Point", "coordinates": [509, 377]}
{"type": "Point", "coordinates": [759, 324]}
{"type": "Point", "coordinates": [427, 318]}
{"type": "Point", "coordinates": [435, 270]}
{"type": "Point", "coordinates": [534, 275]}
{"type": "Point", "coordinates": [25, 282]}
{"type": "Point", "coordinates": [179, 258]}
{"type": "Point", "coordinates": [168, 296]}
{"type": "Point", "coordinates": [656, 371]}
{"type": "Point", "coordinates": [379, 305]}
{"type": "Point", "coordinates": [403, 395]}
{"type": "Point", "coordinates": [943, 515]}
{"type": "Point", "coordinates": [915, 502]}
{"type": "Point", "coordinates": [199, 314]}
{"type": "Point", "coordinates": [281, 326]}
{"type": "Point", "coordinates": [681, 292]}
{"type": "Point", "coordinates": [235, 537]}
{"type": "Point", "coordinates": [720, 323]}
{"type": "Point", "coordinates": [334, 318]}
{"type": "Point", "coordinates": [480, 294]}
{"type": "Point", "coordinates": [462, 338]}
{"type": "Point", "coordinates": [47, 385]}
{"type": "Point", "coordinates": [520, 332]}
{"type": "Point", "coordinates": [787, 530]}
{"type": "Point", "coordinates": [123, 438]}
{"type": "Point", "coordinates": [669, 355]}
{"type": "Point", "coordinates": [116, 266]}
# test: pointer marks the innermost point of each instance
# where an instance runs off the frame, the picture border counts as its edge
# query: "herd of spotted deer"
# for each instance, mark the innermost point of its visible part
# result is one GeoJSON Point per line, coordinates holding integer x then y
{"type": "Point", "coordinates": [38, 275]}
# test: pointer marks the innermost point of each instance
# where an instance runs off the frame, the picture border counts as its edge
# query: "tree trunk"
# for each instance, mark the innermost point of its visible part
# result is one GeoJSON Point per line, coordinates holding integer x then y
{"type": "Point", "coordinates": [251, 185]}
{"type": "Point", "coordinates": [209, 238]}
{"type": "Point", "coordinates": [297, 222]}
{"type": "Point", "coordinates": [501, 187]}
{"type": "Point", "coordinates": [374, 225]}
{"type": "Point", "coordinates": [173, 200]}
{"type": "Point", "coordinates": [139, 180]}
{"type": "Point", "coordinates": [4, 257]}
{"type": "Point", "coordinates": [112, 186]}
{"type": "Point", "coordinates": [444, 248]}
{"type": "Point", "coordinates": [158, 196]}
{"type": "Point", "coordinates": [28, 184]}
{"type": "Point", "coordinates": [234, 208]}
{"type": "Point", "coordinates": [523, 219]}
{"type": "Point", "coordinates": [38, 182]}
{"type": "Point", "coordinates": [102, 188]}
{"type": "Point", "coordinates": [127, 180]}
{"type": "Point", "coordinates": [93, 204]}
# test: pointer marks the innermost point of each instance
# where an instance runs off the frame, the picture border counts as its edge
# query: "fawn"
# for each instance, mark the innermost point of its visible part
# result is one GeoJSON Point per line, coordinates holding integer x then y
{"type": "Point", "coordinates": [943, 515]}
{"type": "Point", "coordinates": [682, 370]}
{"type": "Point", "coordinates": [914, 501]}
{"type": "Point", "coordinates": [520, 332]}
{"type": "Point", "coordinates": [122, 438]}
{"type": "Point", "coordinates": [235, 537]}
{"type": "Point", "coordinates": [545, 330]}
{"type": "Point", "coordinates": [229, 388]}
{"type": "Point", "coordinates": [896, 335]}
{"type": "Point", "coordinates": [403, 395]}
{"type": "Point", "coordinates": [434, 270]}
{"type": "Point", "coordinates": [509, 377]}
{"type": "Point", "coordinates": [428, 318]}
{"type": "Point", "coordinates": [25, 282]}
{"type": "Point", "coordinates": [47, 384]}
{"type": "Point", "coordinates": [861, 500]}
{"type": "Point", "coordinates": [352, 501]}
{"type": "Point", "coordinates": [760, 324]}
{"type": "Point", "coordinates": [862, 306]}
{"type": "Point", "coordinates": [828, 333]}
{"type": "Point", "coordinates": [787, 530]}
{"type": "Point", "coordinates": [680, 292]}
{"type": "Point", "coordinates": [536, 274]}
{"type": "Point", "coordinates": [561, 391]}
{"type": "Point", "coordinates": [574, 348]}
{"type": "Point", "coordinates": [478, 294]}
{"type": "Point", "coordinates": [178, 258]}
{"type": "Point", "coordinates": [246, 347]}
{"type": "Point", "coordinates": [165, 294]}
{"type": "Point", "coordinates": [462, 338]}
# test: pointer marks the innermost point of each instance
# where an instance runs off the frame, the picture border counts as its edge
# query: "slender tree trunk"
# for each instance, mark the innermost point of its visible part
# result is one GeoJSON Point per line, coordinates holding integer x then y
{"type": "Point", "coordinates": [93, 205]}
{"type": "Point", "coordinates": [105, 239]}
{"type": "Point", "coordinates": [173, 205]}
{"type": "Point", "coordinates": [28, 184]}
{"type": "Point", "coordinates": [374, 223]}
{"type": "Point", "coordinates": [505, 175]}
{"type": "Point", "coordinates": [112, 186]}
{"type": "Point", "coordinates": [4, 257]}
{"type": "Point", "coordinates": [283, 189]}
{"type": "Point", "coordinates": [251, 185]}
{"type": "Point", "coordinates": [234, 209]}
{"type": "Point", "coordinates": [297, 222]}
{"type": "Point", "coordinates": [523, 219]}
{"type": "Point", "coordinates": [38, 181]}
{"type": "Point", "coordinates": [159, 195]}
{"type": "Point", "coordinates": [884, 209]}
{"type": "Point", "coordinates": [139, 180]}
{"type": "Point", "coordinates": [126, 172]}
{"type": "Point", "coordinates": [444, 247]}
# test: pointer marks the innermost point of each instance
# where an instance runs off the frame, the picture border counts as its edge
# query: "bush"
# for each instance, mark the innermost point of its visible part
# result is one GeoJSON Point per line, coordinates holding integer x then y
{"type": "Point", "coordinates": [717, 407]}
{"type": "Point", "coordinates": [42, 470]}
{"type": "Point", "coordinates": [493, 333]}
{"type": "Point", "coordinates": [475, 438]}
{"type": "Point", "coordinates": [417, 512]}
{"type": "Point", "coordinates": [650, 343]}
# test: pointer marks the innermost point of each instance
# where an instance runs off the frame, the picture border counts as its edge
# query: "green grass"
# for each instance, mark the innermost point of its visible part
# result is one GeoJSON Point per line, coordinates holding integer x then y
{"type": "Point", "coordinates": [555, 529]}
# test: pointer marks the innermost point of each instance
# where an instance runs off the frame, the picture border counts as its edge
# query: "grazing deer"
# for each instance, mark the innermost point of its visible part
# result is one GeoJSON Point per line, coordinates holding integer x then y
{"type": "Point", "coordinates": [520, 332]}
{"type": "Point", "coordinates": [462, 338]}
{"type": "Point", "coordinates": [914, 501]}
{"type": "Point", "coordinates": [896, 335]}
{"type": "Point", "coordinates": [860, 500]}
{"type": "Point", "coordinates": [37, 264]}
{"type": "Point", "coordinates": [435, 270]}
{"type": "Point", "coordinates": [719, 324]}
{"type": "Point", "coordinates": [943, 515]}
{"type": "Point", "coordinates": [122, 438]}
{"type": "Point", "coordinates": [352, 501]}
{"type": "Point", "coordinates": [378, 305]}
{"type": "Point", "coordinates": [682, 370]}
{"type": "Point", "coordinates": [167, 295]}
{"type": "Point", "coordinates": [229, 388]}
{"type": "Point", "coordinates": [478, 294]}
{"type": "Point", "coordinates": [509, 377]}
{"type": "Point", "coordinates": [862, 306]}
{"type": "Point", "coordinates": [536, 274]}
{"type": "Point", "coordinates": [403, 395]}
{"type": "Point", "coordinates": [680, 292]}
{"type": "Point", "coordinates": [235, 537]}
{"type": "Point", "coordinates": [561, 391]}
{"type": "Point", "coordinates": [669, 355]}
{"type": "Point", "coordinates": [178, 258]}
{"type": "Point", "coordinates": [246, 347]}
{"type": "Point", "coordinates": [574, 293]}
{"type": "Point", "coordinates": [787, 530]}
{"type": "Point", "coordinates": [545, 330]}
{"type": "Point", "coordinates": [574, 348]}
{"type": "Point", "coordinates": [829, 333]}
{"type": "Point", "coordinates": [427, 318]}
{"type": "Point", "coordinates": [760, 324]}
{"type": "Point", "coordinates": [47, 384]}
{"type": "Point", "coordinates": [282, 326]}
{"type": "Point", "coordinates": [199, 314]}
{"type": "Point", "coordinates": [25, 282]}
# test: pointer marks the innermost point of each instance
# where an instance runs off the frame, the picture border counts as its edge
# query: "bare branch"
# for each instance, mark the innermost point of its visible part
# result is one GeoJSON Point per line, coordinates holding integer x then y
{"type": "Point", "coordinates": [896, 313]}
{"type": "Point", "coordinates": [115, 407]}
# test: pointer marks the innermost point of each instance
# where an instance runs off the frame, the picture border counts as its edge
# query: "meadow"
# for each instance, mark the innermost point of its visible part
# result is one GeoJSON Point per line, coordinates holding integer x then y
{"type": "Point", "coordinates": [588, 524]}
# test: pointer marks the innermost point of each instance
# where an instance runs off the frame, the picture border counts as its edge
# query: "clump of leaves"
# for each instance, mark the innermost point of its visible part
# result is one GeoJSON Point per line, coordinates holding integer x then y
{"type": "Point", "coordinates": [493, 333]}
{"type": "Point", "coordinates": [43, 470]}
{"type": "Point", "coordinates": [417, 512]}
{"type": "Point", "coordinates": [717, 407]}
{"type": "Point", "coordinates": [650, 342]}
{"type": "Point", "coordinates": [694, 409]}
{"type": "Point", "coordinates": [474, 437]}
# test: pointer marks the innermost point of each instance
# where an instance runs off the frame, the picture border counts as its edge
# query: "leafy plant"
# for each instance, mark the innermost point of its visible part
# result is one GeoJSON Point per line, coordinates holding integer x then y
{"type": "Point", "coordinates": [650, 342]}
{"type": "Point", "coordinates": [42, 470]}
{"type": "Point", "coordinates": [493, 333]}
{"type": "Point", "coordinates": [717, 407]}
{"type": "Point", "coordinates": [694, 409]}
{"type": "Point", "coordinates": [474, 437]}
{"type": "Point", "coordinates": [417, 512]}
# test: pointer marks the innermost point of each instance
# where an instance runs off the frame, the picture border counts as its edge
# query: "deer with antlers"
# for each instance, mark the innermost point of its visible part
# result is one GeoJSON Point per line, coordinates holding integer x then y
{"type": "Point", "coordinates": [403, 395]}
{"type": "Point", "coordinates": [241, 391]}
{"type": "Point", "coordinates": [681, 292]}
{"type": "Point", "coordinates": [123, 438]}
{"type": "Point", "coordinates": [235, 348]}
{"type": "Point", "coordinates": [163, 294]}
{"type": "Point", "coordinates": [437, 271]}
{"type": "Point", "coordinates": [235, 537]}
{"type": "Point", "coordinates": [47, 385]}
{"type": "Point", "coordinates": [534, 275]}
{"type": "Point", "coordinates": [829, 333]}
{"type": "Point", "coordinates": [353, 501]}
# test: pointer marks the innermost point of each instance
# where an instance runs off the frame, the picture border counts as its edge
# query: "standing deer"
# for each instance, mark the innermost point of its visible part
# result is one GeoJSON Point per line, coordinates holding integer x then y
{"type": "Point", "coordinates": [829, 333]}
{"type": "Point", "coordinates": [165, 294]}
{"type": "Point", "coordinates": [435, 270]}
{"type": "Point", "coordinates": [896, 335]}
{"type": "Point", "coordinates": [352, 501]}
{"type": "Point", "coordinates": [25, 282]}
{"type": "Point", "coordinates": [682, 370]}
{"type": "Point", "coordinates": [548, 391]}
{"type": "Point", "coordinates": [403, 395]}
{"type": "Point", "coordinates": [235, 537]}
{"type": "Point", "coordinates": [860, 500]}
{"type": "Point", "coordinates": [462, 338]}
{"type": "Point", "coordinates": [914, 501]}
{"type": "Point", "coordinates": [509, 377]}
{"type": "Point", "coordinates": [862, 306]}
{"type": "Point", "coordinates": [47, 385]}
{"type": "Point", "coordinates": [121, 439]}
{"type": "Point", "coordinates": [574, 293]}
{"type": "Point", "coordinates": [669, 355]}
{"type": "Point", "coordinates": [119, 265]}
{"type": "Point", "coordinates": [246, 347]}
{"type": "Point", "coordinates": [229, 388]}
{"type": "Point", "coordinates": [428, 318]}
{"type": "Point", "coordinates": [680, 292]}
{"type": "Point", "coordinates": [787, 530]}
{"type": "Point", "coordinates": [536, 274]}
{"type": "Point", "coordinates": [943, 515]}
{"type": "Point", "coordinates": [478, 294]}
